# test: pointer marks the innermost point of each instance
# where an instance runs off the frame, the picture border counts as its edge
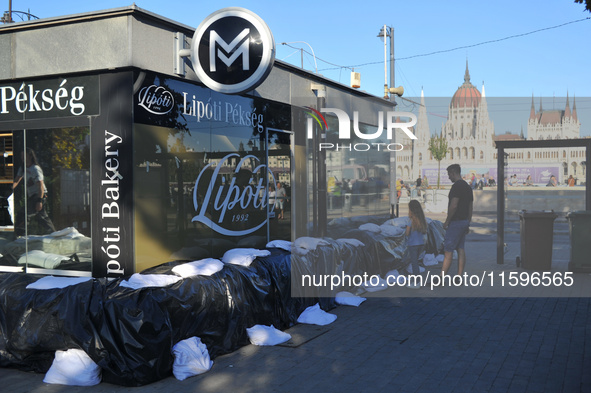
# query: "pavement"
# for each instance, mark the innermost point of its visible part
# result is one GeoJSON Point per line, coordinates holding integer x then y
{"type": "Point", "coordinates": [441, 339]}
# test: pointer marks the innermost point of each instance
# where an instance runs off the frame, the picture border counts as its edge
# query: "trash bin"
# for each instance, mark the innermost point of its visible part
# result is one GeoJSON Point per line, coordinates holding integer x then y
{"type": "Point", "coordinates": [537, 231]}
{"type": "Point", "coordinates": [580, 244]}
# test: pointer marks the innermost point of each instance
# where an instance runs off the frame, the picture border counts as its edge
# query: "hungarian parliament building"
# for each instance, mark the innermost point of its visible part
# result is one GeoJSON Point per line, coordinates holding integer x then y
{"type": "Point", "coordinates": [470, 136]}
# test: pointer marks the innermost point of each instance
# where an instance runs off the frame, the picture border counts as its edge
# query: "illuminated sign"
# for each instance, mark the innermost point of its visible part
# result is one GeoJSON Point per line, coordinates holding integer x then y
{"type": "Point", "coordinates": [233, 50]}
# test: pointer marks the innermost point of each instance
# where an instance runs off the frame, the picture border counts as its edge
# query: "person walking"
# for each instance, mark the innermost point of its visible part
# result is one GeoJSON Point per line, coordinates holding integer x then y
{"type": "Point", "coordinates": [459, 216]}
{"type": "Point", "coordinates": [36, 198]}
{"type": "Point", "coordinates": [415, 241]}
{"type": "Point", "coordinates": [280, 199]}
{"type": "Point", "coordinates": [272, 194]}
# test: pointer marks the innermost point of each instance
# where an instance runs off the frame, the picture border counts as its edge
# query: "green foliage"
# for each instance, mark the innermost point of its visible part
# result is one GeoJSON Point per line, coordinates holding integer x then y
{"type": "Point", "coordinates": [586, 2]}
{"type": "Point", "coordinates": [438, 149]}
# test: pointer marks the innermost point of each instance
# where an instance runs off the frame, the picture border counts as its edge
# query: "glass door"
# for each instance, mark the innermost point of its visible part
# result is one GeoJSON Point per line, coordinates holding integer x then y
{"type": "Point", "coordinates": [280, 182]}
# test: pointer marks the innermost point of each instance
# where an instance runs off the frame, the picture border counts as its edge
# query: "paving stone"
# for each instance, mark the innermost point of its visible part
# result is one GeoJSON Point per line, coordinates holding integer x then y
{"type": "Point", "coordinates": [407, 344]}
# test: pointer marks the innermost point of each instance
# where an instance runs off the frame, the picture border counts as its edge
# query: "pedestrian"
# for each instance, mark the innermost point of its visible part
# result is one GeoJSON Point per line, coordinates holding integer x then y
{"type": "Point", "coordinates": [418, 186]}
{"type": "Point", "coordinates": [473, 183]}
{"type": "Point", "coordinates": [459, 216]}
{"type": "Point", "coordinates": [552, 182]}
{"type": "Point", "coordinates": [529, 181]}
{"type": "Point", "coordinates": [272, 194]}
{"type": "Point", "coordinates": [425, 186]}
{"type": "Point", "coordinates": [513, 180]}
{"type": "Point", "coordinates": [415, 241]}
{"type": "Point", "coordinates": [280, 199]}
{"type": "Point", "coordinates": [571, 181]}
{"type": "Point", "coordinates": [36, 198]}
{"type": "Point", "coordinates": [482, 182]}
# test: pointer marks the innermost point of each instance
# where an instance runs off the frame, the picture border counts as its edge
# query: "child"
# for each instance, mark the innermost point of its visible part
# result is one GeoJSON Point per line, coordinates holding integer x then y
{"type": "Point", "coordinates": [415, 241]}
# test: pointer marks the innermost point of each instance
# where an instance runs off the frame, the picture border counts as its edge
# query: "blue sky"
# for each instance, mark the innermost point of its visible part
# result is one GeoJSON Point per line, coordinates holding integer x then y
{"type": "Point", "coordinates": [547, 63]}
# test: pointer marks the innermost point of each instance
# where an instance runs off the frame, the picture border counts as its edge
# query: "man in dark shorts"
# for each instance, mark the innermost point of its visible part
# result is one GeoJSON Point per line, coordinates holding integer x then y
{"type": "Point", "coordinates": [459, 215]}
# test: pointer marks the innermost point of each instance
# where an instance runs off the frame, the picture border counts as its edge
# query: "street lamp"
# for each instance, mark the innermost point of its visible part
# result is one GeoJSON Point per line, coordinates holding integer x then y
{"type": "Point", "coordinates": [385, 32]}
{"type": "Point", "coordinates": [302, 52]}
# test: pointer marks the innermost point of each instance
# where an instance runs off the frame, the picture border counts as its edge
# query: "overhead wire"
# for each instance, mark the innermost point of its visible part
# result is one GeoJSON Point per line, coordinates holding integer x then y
{"type": "Point", "coordinates": [351, 67]}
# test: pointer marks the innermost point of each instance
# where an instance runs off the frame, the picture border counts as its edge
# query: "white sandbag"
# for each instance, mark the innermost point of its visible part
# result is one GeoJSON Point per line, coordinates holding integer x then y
{"type": "Point", "coordinates": [191, 358]}
{"type": "Point", "coordinates": [391, 230]}
{"type": "Point", "coordinates": [352, 242]}
{"type": "Point", "coordinates": [394, 273]}
{"type": "Point", "coordinates": [375, 285]}
{"type": "Point", "coordinates": [69, 232]}
{"type": "Point", "coordinates": [42, 259]}
{"type": "Point", "coordinates": [398, 222]}
{"type": "Point", "coordinates": [348, 299]}
{"type": "Point", "coordinates": [283, 244]}
{"type": "Point", "coordinates": [300, 251]}
{"type": "Point", "coordinates": [138, 281]}
{"type": "Point", "coordinates": [369, 227]}
{"type": "Point", "coordinates": [309, 243]}
{"type": "Point", "coordinates": [51, 282]}
{"type": "Point", "coordinates": [266, 335]}
{"type": "Point", "coordinates": [243, 256]}
{"type": "Point", "coordinates": [314, 315]}
{"type": "Point", "coordinates": [429, 260]}
{"type": "Point", "coordinates": [73, 367]}
{"type": "Point", "coordinates": [203, 267]}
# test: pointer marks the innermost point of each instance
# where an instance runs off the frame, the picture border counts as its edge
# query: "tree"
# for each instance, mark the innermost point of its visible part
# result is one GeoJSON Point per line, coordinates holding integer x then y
{"type": "Point", "coordinates": [438, 149]}
{"type": "Point", "coordinates": [587, 4]}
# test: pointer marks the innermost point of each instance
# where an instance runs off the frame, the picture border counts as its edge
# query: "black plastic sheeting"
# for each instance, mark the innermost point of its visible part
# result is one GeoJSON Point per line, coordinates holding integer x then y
{"type": "Point", "coordinates": [386, 253]}
{"type": "Point", "coordinates": [379, 255]}
{"type": "Point", "coordinates": [130, 333]}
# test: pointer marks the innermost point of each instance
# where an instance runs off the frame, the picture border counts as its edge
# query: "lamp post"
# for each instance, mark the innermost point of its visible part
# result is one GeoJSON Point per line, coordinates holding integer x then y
{"type": "Point", "coordinates": [302, 53]}
{"type": "Point", "coordinates": [388, 32]}
{"type": "Point", "coordinates": [385, 32]}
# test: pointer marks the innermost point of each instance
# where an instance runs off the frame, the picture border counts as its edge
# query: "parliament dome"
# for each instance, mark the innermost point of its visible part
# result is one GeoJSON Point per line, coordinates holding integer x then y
{"type": "Point", "coordinates": [467, 95]}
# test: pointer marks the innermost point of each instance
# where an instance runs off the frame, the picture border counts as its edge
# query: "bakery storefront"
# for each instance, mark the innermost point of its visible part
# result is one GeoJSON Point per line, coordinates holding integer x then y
{"type": "Point", "coordinates": [182, 169]}
{"type": "Point", "coordinates": [123, 157]}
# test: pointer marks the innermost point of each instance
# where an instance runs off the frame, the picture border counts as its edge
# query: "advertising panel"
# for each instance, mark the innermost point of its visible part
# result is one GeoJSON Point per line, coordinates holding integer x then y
{"type": "Point", "coordinates": [112, 180]}
{"type": "Point", "coordinates": [41, 99]}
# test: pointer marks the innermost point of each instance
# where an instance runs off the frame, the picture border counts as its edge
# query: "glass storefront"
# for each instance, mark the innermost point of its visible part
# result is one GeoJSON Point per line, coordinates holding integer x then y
{"type": "Point", "coordinates": [211, 172]}
{"type": "Point", "coordinates": [163, 170]}
{"type": "Point", "coordinates": [357, 173]}
{"type": "Point", "coordinates": [46, 217]}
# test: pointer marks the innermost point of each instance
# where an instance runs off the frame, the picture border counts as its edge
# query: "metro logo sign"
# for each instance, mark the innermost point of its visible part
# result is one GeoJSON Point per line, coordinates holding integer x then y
{"type": "Point", "coordinates": [233, 51]}
{"type": "Point", "coordinates": [214, 39]}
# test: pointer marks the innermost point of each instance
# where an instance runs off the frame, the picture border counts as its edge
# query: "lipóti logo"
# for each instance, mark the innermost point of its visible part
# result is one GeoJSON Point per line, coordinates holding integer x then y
{"type": "Point", "coordinates": [156, 99]}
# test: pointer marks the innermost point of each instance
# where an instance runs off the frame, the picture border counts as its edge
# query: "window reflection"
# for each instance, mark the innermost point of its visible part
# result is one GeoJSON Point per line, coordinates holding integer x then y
{"type": "Point", "coordinates": [209, 194]}
{"type": "Point", "coordinates": [357, 179]}
{"type": "Point", "coordinates": [49, 202]}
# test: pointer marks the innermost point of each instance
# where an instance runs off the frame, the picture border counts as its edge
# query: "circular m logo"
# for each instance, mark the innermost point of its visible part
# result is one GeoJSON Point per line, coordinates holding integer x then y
{"type": "Point", "coordinates": [233, 50]}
